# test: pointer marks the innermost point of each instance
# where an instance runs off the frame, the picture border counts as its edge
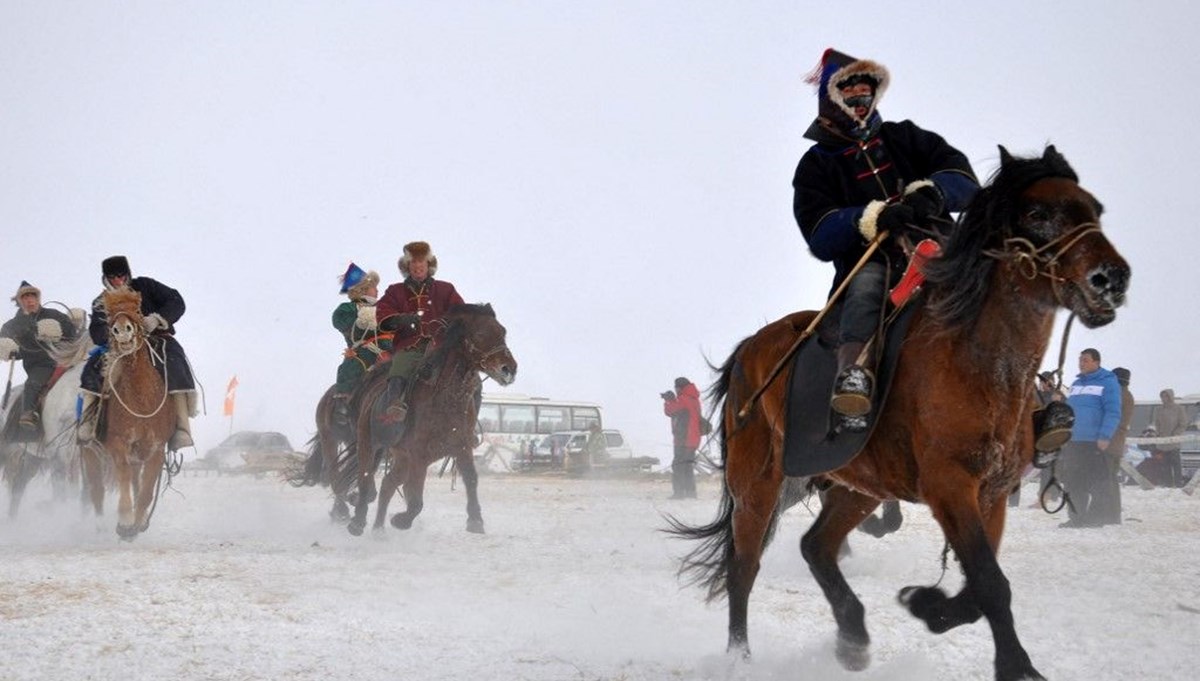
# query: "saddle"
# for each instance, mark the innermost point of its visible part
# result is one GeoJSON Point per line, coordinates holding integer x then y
{"type": "Point", "coordinates": [812, 445]}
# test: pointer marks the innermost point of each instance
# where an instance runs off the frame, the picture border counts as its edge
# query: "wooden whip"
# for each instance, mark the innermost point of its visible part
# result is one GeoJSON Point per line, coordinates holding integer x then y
{"type": "Point", "coordinates": [774, 373]}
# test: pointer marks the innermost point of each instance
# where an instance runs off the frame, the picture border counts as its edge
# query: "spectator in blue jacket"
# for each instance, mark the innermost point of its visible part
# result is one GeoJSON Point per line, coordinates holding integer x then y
{"type": "Point", "coordinates": [1096, 398]}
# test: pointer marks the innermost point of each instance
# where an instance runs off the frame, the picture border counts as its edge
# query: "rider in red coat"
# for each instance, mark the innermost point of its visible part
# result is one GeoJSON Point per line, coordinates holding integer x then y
{"type": "Point", "coordinates": [413, 309]}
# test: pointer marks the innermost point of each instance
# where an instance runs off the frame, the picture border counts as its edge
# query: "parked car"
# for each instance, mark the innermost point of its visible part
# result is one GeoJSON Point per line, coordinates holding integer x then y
{"type": "Point", "coordinates": [251, 451]}
{"type": "Point", "coordinates": [553, 450]}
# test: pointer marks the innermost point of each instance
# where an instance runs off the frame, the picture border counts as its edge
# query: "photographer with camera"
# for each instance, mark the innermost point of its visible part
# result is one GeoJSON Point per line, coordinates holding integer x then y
{"type": "Point", "coordinates": [683, 407]}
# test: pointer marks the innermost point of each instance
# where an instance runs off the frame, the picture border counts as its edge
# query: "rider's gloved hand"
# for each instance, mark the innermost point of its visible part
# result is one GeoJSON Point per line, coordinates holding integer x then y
{"type": "Point", "coordinates": [8, 348]}
{"type": "Point", "coordinates": [49, 330]}
{"type": "Point", "coordinates": [153, 322]}
{"type": "Point", "coordinates": [366, 317]}
{"type": "Point", "coordinates": [896, 219]}
{"type": "Point", "coordinates": [925, 199]}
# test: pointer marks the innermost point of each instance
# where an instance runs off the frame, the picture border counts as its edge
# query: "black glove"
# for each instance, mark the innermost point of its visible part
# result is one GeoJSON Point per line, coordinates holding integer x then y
{"type": "Point", "coordinates": [669, 395]}
{"type": "Point", "coordinates": [926, 202]}
{"type": "Point", "coordinates": [895, 219]}
{"type": "Point", "coordinates": [400, 322]}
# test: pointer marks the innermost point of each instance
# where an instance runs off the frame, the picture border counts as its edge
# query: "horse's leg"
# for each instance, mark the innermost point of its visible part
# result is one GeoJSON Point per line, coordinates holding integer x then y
{"type": "Point", "coordinates": [470, 477]}
{"type": "Point", "coordinates": [364, 457]}
{"type": "Point", "coordinates": [953, 498]}
{"type": "Point", "coordinates": [391, 480]}
{"type": "Point", "coordinates": [753, 484]}
{"type": "Point", "coordinates": [842, 510]}
{"type": "Point", "coordinates": [126, 527]}
{"type": "Point", "coordinates": [152, 470]}
{"type": "Point", "coordinates": [93, 475]}
{"type": "Point", "coordinates": [23, 467]}
{"type": "Point", "coordinates": [886, 523]}
{"type": "Point", "coordinates": [414, 492]}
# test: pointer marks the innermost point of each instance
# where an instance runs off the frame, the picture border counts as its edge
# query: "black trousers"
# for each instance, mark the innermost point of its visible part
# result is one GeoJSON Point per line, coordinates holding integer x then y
{"type": "Point", "coordinates": [36, 378]}
{"type": "Point", "coordinates": [1084, 469]}
{"type": "Point", "coordinates": [683, 472]}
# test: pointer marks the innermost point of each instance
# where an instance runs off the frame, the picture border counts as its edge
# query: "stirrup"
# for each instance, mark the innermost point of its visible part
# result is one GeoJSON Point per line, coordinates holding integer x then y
{"type": "Point", "coordinates": [852, 391]}
{"type": "Point", "coordinates": [852, 424]}
{"type": "Point", "coordinates": [1052, 426]}
{"type": "Point", "coordinates": [28, 420]}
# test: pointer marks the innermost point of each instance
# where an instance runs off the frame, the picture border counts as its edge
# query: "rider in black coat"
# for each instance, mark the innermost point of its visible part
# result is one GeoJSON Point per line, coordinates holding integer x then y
{"type": "Point", "coordinates": [162, 307]}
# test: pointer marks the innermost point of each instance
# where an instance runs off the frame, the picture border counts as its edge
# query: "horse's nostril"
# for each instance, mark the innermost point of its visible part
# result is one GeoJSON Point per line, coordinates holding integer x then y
{"type": "Point", "coordinates": [1099, 281]}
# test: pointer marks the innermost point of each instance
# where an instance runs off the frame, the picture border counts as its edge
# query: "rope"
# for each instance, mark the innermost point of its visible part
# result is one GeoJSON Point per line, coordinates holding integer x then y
{"type": "Point", "coordinates": [141, 339]}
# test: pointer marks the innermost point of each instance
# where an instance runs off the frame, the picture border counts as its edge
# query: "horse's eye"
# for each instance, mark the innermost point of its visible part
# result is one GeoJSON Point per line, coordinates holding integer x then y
{"type": "Point", "coordinates": [1037, 214]}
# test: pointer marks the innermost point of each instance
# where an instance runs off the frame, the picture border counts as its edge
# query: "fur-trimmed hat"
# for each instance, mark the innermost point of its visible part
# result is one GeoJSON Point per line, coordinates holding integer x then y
{"type": "Point", "coordinates": [356, 281]}
{"type": "Point", "coordinates": [417, 250]}
{"type": "Point", "coordinates": [837, 70]}
{"type": "Point", "coordinates": [1122, 375]}
{"type": "Point", "coordinates": [24, 288]}
{"type": "Point", "coordinates": [115, 266]}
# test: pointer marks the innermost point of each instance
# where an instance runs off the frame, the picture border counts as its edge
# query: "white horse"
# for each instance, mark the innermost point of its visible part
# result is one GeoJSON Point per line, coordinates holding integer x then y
{"type": "Point", "coordinates": [56, 452]}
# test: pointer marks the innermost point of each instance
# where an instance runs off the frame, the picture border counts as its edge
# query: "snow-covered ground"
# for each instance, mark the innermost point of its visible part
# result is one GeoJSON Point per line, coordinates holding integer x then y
{"type": "Point", "coordinates": [243, 578]}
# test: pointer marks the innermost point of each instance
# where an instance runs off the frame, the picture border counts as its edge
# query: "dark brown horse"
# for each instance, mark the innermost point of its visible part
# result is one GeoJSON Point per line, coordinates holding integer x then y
{"type": "Point", "coordinates": [139, 417]}
{"type": "Point", "coordinates": [442, 410]}
{"type": "Point", "coordinates": [956, 431]}
{"type": "Point", "coordinates": [333, 443]}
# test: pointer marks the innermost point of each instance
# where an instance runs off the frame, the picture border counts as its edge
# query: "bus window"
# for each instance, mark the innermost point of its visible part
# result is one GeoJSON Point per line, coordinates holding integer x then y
{"type": "Point", "coordinates": [489, 417]}
{"type": "Point", "coordinates": [552, 419]}
{"type": "Point", "coordinates": [583, 417]}
{"type": "Point", "coordinates": [516, 418]}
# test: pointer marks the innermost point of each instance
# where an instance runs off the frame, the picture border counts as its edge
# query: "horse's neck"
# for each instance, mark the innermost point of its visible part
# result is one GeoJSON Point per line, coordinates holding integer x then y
{"type": "Point", "coordinates": [1011, 334]}
{"type": "Point", "coordinates": [454, 375]}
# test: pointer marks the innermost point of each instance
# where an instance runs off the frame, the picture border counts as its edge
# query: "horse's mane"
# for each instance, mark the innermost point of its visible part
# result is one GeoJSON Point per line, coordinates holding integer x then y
{"type": "Point", "coordinates": [957, 282]}
{"type": "Point", "coordinates": [122, 300]}
{"type": "Point", "coordinates": [456, 327]}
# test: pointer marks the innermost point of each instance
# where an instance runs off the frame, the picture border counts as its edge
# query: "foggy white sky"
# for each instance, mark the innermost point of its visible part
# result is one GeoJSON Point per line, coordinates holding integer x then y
{"type": "Point", "coordinates": [613, 177]}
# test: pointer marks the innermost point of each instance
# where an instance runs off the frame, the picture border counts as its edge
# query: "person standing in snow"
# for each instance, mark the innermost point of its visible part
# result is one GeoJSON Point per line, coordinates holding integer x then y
{"type": "Point", "coordinates": [1095, 397]}
{"type": "Point", "coordinates": [683, 407]}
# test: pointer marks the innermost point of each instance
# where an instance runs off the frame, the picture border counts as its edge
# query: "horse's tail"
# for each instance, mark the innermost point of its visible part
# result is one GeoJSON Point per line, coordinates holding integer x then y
{"type": "Point", "coordinates": [310, 474]}
{"type": "Point", "coordinates": [707, 565]}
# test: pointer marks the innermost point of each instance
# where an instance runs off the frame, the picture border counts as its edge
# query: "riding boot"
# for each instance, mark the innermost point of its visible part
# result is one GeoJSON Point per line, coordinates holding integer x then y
{"type": "Point", "coordinates": [854, 384]}
{"type": "Point", "coordinates": [1052, 428]}
{"type": "Point", "coordinates": [29, 420]}
{"type": "Point", "coordinates": [397, 409]}
{"type": "Point", "coordinates": [182, 437]}
{"type": "Point", "coordinates": [86, 431]}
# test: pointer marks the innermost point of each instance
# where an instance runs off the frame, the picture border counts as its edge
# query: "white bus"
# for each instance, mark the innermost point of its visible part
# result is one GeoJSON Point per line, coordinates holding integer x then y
{"type": "Point", "coordinates": [512, 425]}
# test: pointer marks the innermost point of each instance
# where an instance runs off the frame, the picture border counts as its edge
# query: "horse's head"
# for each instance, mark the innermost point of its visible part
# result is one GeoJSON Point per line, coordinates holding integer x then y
{"type": "Point", "coordinates": [123, 310]}
{"type": "Point", "coordinates": [1056, 234]}
{"type": "Point", "coordinates": [1043, 229]}
{"type": "Point", "coordinates": [484, 341]}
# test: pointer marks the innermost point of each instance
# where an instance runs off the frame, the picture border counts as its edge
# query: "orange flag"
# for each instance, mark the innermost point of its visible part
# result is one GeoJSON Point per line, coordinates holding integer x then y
{"type": "Point", "coordinates": [230, 394]}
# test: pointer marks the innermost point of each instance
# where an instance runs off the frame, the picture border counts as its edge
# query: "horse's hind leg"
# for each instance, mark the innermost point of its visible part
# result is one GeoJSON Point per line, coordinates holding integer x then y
{"type": "Point", "coordinates": [148, 478]}
{"type": "Point", "coordinates": [22, 467]}
{"type": "Point", "coordinates": [466, 467]}
{"type": "Point", "coordinates": [755, 497]}
{"type": "Point", "coordinates": [841, 511]}
{"type": "Point", "coordinates": [955, 505]}
{"type": "Point", "coordinates": [414, 493]}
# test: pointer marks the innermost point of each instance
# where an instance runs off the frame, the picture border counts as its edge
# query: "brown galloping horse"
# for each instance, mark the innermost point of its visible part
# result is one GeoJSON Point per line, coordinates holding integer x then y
{"type": "Point", "coordinates": [139, 417]}
{"type": "Point", "coordinates": [956, 431]}
{"type": "Point", "coordinates": [442, 410]}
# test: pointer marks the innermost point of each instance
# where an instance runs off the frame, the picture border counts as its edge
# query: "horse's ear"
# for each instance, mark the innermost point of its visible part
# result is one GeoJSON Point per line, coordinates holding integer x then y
{"type": "Point", "coordinates": [488, 307]}
{"type": "Point", "coordinates": [1051, 155]}
{"type": "Point", "coordinates": [1005, 157]}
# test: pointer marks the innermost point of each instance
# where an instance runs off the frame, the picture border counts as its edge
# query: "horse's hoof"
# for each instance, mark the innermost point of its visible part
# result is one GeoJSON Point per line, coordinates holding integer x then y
{"type": "Point", "coordinates": [401, 521]}
{"type": "Point", "coordinates": [339, 514]}
{"type": "Point", "coordinates": [355, 527]}
{"type": "Point", "coordinates": [127, 532]}
{"type": "Point", "coordinates": [853, 656]}
{"type": "Point", "coordinates": [475, 525]}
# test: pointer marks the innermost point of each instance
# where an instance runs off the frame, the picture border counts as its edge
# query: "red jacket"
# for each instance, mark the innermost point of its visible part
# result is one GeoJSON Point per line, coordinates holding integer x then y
{"type": "Point", "coordinates": [687, 403]}
{"type": "Point", "coordinates": [430, 298]}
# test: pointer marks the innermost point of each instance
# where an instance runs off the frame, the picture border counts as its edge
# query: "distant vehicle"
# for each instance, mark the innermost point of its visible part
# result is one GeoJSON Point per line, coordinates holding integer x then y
{"type": "Point", "coordinates": [250, 451]}
{"type": "Point", "coordinates": [555, 448]}
{"type": "Point", "coordinates": [510, 425]}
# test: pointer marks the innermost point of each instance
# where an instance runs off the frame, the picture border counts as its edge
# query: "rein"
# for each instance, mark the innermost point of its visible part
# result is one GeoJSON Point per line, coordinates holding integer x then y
{"type": "Point", "coordinates": [124, 350]}
{"type": "Point", "coordinates": [1034, 261]}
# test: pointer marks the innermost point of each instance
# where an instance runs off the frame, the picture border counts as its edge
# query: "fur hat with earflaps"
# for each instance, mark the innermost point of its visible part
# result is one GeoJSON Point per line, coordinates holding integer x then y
{"type": "Point", "coordinates": [356, 281]}
{"type": "Point", "coordinates": [24, 288]}
{"type": "Point", "coordinates": [417, 250]}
